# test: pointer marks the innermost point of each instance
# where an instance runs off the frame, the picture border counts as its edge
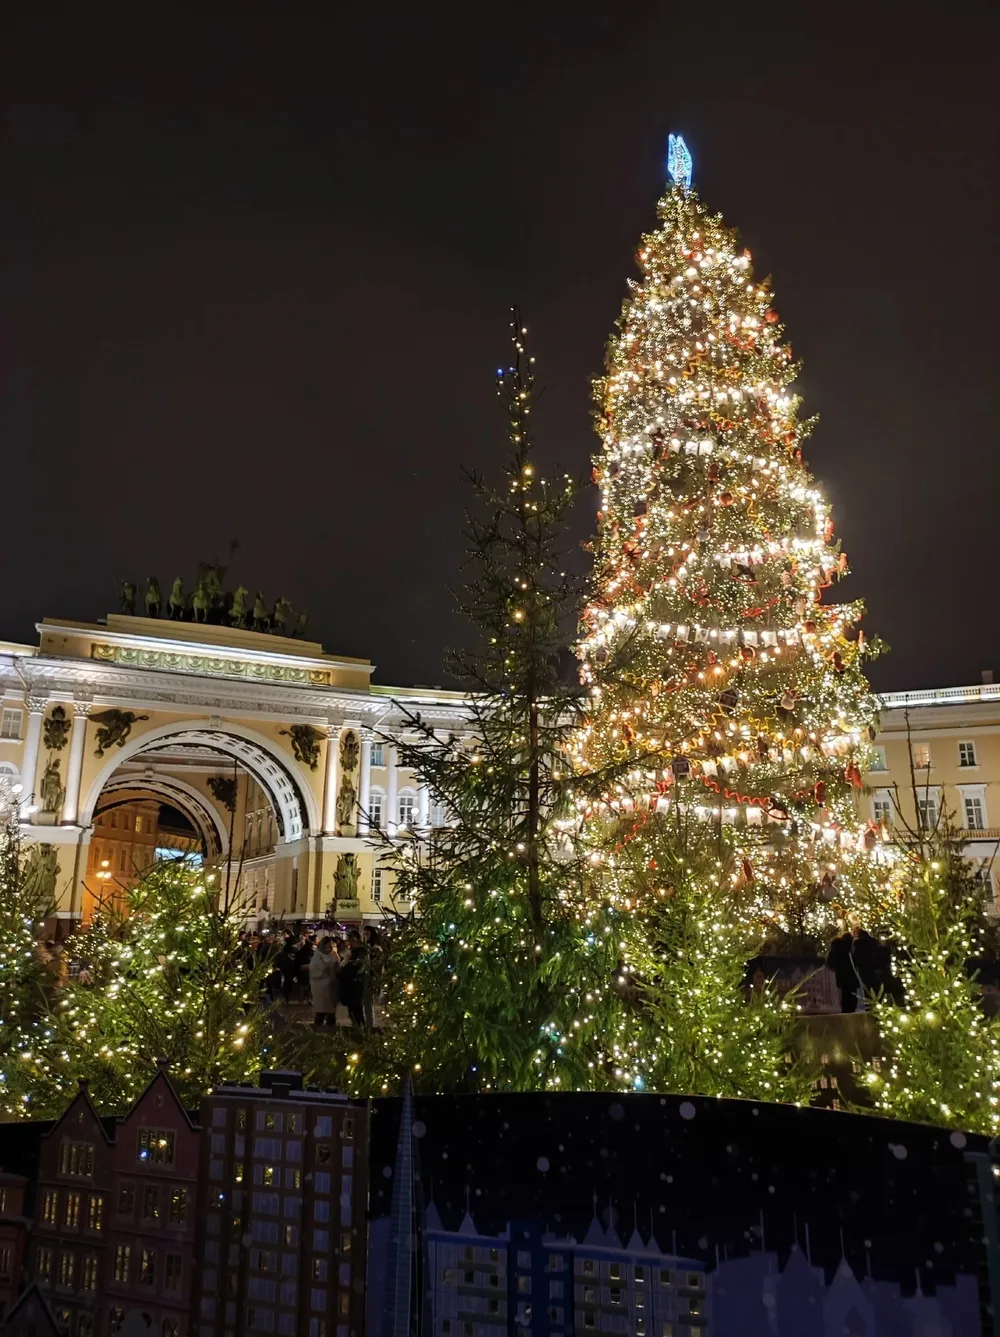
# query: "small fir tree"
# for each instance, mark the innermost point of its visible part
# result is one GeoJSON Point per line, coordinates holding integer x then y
{"type": "Point", "coordinates": [697, 1023]}
{"type": "Point", "coordinates": [941, 1052]}
{"type": "Point", "coordinates": [503, 981]}
{"type": "Point", "coordinates": [26, 979]}
{"type": "Point", "coordinates": [169, 978]}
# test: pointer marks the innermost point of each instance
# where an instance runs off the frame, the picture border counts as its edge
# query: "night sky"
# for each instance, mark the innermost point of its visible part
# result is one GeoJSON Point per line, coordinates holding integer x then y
{"type": "Point", "coordinates": [256, 266]}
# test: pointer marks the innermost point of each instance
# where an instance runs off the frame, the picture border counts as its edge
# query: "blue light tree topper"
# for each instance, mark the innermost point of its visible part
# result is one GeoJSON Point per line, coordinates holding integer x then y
{"type": "Point", "coordinates": [679, 162]}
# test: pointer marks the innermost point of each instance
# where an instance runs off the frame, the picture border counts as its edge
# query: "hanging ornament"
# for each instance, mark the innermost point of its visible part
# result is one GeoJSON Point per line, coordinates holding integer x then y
{"type": "Point", "coordinates": [819, 792]}
{"type": "Point", "coordinates": [729, 699]}
{"type": "Point", "coordinates": [725, 499]}
{"type": "Point", "coordinates": [712, 472]}
{"type": "Point", "coordinates": [838, 664]}
{"type": "Point", "coordinates": [853, 775]}
{"type": "Point", "coordinates": [747, 652]}
{"type": "Point", "coordinates": [681, 767]}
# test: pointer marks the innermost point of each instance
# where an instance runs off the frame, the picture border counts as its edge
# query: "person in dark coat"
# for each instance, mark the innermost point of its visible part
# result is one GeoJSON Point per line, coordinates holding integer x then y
{"type": "Point", "coordinates": [287, 963]}
{"type": "Point", "coordinates": [841, 962]}
{"type": "Point", "coordinates": [354, 979]}
{"type": "Point", "coordinates": [870, 961]}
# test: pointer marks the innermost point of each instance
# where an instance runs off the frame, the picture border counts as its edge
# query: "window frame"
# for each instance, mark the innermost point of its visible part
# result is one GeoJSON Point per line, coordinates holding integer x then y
{"type": "Point", "coordinates": [963, 762]}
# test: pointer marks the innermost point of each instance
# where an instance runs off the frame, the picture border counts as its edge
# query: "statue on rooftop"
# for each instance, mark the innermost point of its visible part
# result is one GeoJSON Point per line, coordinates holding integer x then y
{"type": "Point", "coordinates": [281, 617]}
{"type": "Point", "coordinates": [126, 597]}
{"type": "Point", "coordinates": [153, 597]}
{"type": "Point", "coordinates": [175, 605]}
{"type": "Point", "coordinates": [200, 602]}
{"type": "Point", "coordinates": [238, 608]}
{"type": "Point", "coordinates": [261, 617]}
{"type": "Point", "coordinates": [301, 622]}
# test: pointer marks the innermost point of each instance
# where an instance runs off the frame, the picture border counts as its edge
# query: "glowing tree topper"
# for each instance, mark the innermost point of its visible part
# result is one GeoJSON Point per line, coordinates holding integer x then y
{"type": "Point", "coordinates": [723, 684]}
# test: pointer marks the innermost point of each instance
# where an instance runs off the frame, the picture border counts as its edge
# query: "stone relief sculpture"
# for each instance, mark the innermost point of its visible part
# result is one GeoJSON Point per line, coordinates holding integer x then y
{"type": "Point", "coordinates": [114, 727]}
{"type": "Point", "coordinates": [51, 790]}
{"type": "Point", "coordinates": [56, 729]}
{"type": "Point", "coordinates": [305, 743]}
{"type": "Point", "coordinates": [347, 800]}
{"type": "Point", "coordinates": [38, 876]}
{"type": "Point", "coordinates": [345, 881]}
{"type": "Point", "coordinates": [350, 751]}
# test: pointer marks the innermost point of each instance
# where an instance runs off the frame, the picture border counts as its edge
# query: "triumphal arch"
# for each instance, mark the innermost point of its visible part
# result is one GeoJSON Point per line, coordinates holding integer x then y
{"type": "Point", "coordinates": [135, 738]}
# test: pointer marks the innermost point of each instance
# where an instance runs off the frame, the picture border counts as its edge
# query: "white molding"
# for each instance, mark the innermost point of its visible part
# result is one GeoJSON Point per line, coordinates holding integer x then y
{"type": "Point", "coordinates": [941, 696]}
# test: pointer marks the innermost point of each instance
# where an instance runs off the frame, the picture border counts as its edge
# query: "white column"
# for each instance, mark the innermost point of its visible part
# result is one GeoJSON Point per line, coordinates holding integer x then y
{"type": "Point", "coordinates": [331, 779]}
{"type": "Point", "coordinates": [423, 806]}
{"type": "Point", "coordinates": [29, 758]}
{"type": "Point", "coordinates": [391, 821]}
{"type": "Point", "coordinates": [365, 783]}
{"type": "Point", "coordinates": [74, 773]}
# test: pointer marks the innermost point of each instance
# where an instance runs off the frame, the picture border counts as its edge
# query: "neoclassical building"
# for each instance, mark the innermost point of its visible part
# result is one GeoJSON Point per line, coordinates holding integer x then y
{"type": "Point", "coordinates": [136, 738]}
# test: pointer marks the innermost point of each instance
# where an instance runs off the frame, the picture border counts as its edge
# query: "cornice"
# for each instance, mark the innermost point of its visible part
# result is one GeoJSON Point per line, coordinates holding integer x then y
{"type": "Point", "coordinates": [110, 684]}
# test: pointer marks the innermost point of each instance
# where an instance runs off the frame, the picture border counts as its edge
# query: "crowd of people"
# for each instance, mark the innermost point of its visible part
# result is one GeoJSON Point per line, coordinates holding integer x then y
{"type": "Point", "coordinates": [324, 971]}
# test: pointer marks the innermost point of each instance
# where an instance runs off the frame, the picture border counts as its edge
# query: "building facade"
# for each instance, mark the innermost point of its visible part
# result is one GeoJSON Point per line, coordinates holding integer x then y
{"type": "Point", "coordinates": [278, 758]}
{"type": "Point", "coordinates": [938, 756]}
{"type": "Point", "coordinates": [282, 1245]}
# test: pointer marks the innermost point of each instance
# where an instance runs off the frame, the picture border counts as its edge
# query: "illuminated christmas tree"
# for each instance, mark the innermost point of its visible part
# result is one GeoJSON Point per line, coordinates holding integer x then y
{"type": "Point", "coordinates": [941, 1052]}
{"type": "Point", "coordinates": [724, 687]}
{"type": "Point", "coordinates": [169, 979]}
{"type": "Point", "coordinates": [26, 980]}
{"type": "Point", "coordinates": [504, 979]}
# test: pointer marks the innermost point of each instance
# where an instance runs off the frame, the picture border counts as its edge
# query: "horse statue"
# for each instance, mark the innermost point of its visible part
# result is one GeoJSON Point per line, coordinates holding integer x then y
{"type": "Point", "coordinates": [238, 608]}
{"type": "Point", "coordinates": [200, 602]}
{"type": "Point", "coordinates": [176, 605]}
{"type": "Point", "coordinates": [153, 597]}
{"type": "Point", "coordinates": [281, 617]}
{"type": "Point", "coordinates": [261, 617]}
{"type": "Point", "coordinates": [126, 597]}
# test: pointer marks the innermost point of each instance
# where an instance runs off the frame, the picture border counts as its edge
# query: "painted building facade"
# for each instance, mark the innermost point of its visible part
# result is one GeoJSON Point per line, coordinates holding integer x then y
{"type": "Point", "coordinates": [953, 737]}
{"type": "Point", "coordinates": [278, 756]}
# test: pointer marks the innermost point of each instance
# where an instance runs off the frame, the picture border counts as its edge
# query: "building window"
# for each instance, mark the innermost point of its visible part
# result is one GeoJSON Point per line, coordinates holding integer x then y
{"type": "Point", "coordinates": [77, 1159]}
{"type": "Point", "coordinates": [123, 1263]}
{"type": "Point", "coordinates": [95, 1214]}
{"type": "Point", "coordinates": [126, 1200]}
{"type": "Point", "coordinates": [147, 1267]}
{"type": "Point", "coordinates": [967, 754]}
{"type": "Point", "coordinates": [882, 807]}
{"type": "Point", "coordinates": [922, 756]}
{"type": "Point", "coordinates": [10, 723]}
{"type": "Point", "coordinates": [294, 1124]}
{"type": "Point", "coordinates": [345, 1241]}
{"type": "Point", "coordinates": [151, 1203]}
{"type": "Point", "coordinates": [156, 1145]}
{"type": "Point", "coordinates": [878, 759]}
{"type": "Point", "coordinates": [88, 1273]}
{"type": "Point", "coordinates": [376, 807]}
{"type": "Point", "coordinates": [927, 810]}
{"type": "Point", "coordinates": [43, 1264]}
{"type": "Point", "coordinates": [50, 1207]}
{"type": "Point", "coordinates": [407, 807]}
{"type": "Point", "coordinates": [378, 875]}
{"type": "Point", "coordinates": [172, 1272]}
{"type": "Point", "coordinates": [378, 750]}
{"type": "Point", "coordinates": [72, 1217]}
{"type": "Point", "coordinates": [347, 1127]}
{"type": "Point", "coordinates": [975, 812]}
{"type": "Point", "coordinates": [178, 1206]}
{"type": "Point", "coordinates": [5, 1264]}
{"type": "Point", "coordinates": [67, 1267]}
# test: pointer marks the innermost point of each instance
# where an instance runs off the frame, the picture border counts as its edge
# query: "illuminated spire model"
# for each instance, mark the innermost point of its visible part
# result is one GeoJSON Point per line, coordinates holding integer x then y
{"type": "Point", "coordinates": [725, 687]}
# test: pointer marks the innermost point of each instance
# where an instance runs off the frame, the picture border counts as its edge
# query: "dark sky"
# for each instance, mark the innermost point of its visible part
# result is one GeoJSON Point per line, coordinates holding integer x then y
{"type": "Point", "coordinates": [255, 267]}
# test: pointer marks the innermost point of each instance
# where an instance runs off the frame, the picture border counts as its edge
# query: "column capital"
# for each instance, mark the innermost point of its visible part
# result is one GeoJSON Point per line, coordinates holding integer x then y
{"type": "Point", "coordinates": [37, 704]}
{"type": "Point", "coordinates": [332, 731]}
{"type": "Point", "coordinates": [83, 707]}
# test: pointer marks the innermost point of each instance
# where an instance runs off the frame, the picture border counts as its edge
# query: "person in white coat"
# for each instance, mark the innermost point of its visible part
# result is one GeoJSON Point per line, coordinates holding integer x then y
{"type": "Point", "coordinates": [323, 971]}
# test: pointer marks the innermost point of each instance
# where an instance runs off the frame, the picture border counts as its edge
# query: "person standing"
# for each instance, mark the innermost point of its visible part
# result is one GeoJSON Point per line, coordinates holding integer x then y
{"type": "Point", "coordinates": [287, 962]}
{"type": "Point", "coordinates": [323, 967]}
{"type": "Point", "coordinates": [841, 962]}
{"type": "Point", "coordinates": [354, 979]}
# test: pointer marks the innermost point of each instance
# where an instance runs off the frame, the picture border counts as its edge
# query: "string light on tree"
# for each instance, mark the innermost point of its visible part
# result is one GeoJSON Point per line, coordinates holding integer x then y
{"type": "Point", "coordinates": [725, 687]}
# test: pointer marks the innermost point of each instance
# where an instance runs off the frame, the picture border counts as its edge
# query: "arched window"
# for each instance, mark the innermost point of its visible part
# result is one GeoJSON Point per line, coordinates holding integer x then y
{"type": "Point", "coordinates": [376, 808]}
{"type": "Point", "coordinates": [9, 774]}
{"type": "Point", "coordinates": [407, 807]}
{"type": "Point", "coordinates": [440, 814]}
